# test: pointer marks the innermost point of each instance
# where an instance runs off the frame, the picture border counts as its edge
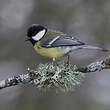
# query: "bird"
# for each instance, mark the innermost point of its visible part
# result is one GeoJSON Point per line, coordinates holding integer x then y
{"type": "Point", "coordinates": [54, 44]}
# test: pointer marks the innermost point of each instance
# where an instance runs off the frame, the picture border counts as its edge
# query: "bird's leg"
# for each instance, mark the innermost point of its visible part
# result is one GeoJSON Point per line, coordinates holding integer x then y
{"type": "Point", "coordinates": [68, 59]}
{"type": "Point", "coordinates": [53, 61]}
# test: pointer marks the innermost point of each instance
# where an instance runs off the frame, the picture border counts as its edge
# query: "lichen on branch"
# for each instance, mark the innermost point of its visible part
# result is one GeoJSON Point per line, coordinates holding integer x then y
{"type": "Point", "coordinates": [56, 76]}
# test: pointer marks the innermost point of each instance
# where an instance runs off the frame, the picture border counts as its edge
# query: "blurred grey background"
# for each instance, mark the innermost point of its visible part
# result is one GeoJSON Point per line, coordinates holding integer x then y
{"type": "Point", "coordinates": [88, 19]}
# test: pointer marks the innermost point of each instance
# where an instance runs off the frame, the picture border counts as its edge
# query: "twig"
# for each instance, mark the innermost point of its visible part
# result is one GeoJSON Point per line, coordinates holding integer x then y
{"type": "Point", "coordinates": [96, 66]}
{"type": "Point", "coordinates": [55, 75]}
{"type": "Point", "coordinates": [15, 80]}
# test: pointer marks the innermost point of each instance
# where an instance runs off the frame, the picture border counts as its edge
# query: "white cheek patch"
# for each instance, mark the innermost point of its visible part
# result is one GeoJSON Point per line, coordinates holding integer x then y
{"type": "Point", "coordinates": [39, 35]}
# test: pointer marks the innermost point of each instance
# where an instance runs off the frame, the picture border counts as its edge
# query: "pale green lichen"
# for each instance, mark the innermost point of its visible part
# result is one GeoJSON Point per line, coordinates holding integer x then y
{"type": "Point", "coordinates": [99, 65]}
{"type": "Point", "coordinates": [57, 76]}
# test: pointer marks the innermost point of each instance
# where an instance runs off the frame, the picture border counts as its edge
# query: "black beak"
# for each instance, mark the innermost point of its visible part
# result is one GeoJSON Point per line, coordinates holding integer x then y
{"type": "Point", "coordinates": [27, 38]}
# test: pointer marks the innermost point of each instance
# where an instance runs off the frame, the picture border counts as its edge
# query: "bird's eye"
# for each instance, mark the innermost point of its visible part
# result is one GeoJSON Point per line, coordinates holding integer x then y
{"type": "Point", "coordinates": [31, 32]}
{"type": "Point", "coordinates": [39, 35]}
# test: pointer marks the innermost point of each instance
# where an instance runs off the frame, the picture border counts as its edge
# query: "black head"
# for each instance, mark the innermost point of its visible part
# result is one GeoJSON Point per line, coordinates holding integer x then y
{"type": "Point", "coordinates": [36, 32]}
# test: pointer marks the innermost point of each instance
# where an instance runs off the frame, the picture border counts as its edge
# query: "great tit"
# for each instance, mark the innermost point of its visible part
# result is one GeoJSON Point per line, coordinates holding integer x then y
{"type": "Point", "coordinates": [54, 44]}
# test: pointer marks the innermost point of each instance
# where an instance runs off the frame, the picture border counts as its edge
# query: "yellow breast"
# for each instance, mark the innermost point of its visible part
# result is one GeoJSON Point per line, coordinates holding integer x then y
{"type": "Point", "coordinates": [49, 52]}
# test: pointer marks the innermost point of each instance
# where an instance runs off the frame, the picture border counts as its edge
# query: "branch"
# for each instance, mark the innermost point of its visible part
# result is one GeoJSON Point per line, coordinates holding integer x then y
{"type": "Point", "coordinates": [15, 80]}
{"type": "Point", "coordinates": [57, 76]}
{"type": "Point", "coordinates": [96, 66]}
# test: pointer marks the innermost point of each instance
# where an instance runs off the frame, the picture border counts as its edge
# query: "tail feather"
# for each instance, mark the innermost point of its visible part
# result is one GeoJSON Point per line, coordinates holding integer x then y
{"type": "Point", "coordinates": [93, 47]}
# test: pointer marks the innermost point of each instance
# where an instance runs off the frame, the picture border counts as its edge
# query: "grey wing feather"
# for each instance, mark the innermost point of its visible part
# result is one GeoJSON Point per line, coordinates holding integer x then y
{"type": "Point", "coordinates": [62, 41]}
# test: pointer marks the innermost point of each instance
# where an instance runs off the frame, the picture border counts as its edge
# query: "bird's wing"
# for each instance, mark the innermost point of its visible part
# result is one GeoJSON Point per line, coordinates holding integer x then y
{"type": "Point", "coordinates": [62, 40]}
